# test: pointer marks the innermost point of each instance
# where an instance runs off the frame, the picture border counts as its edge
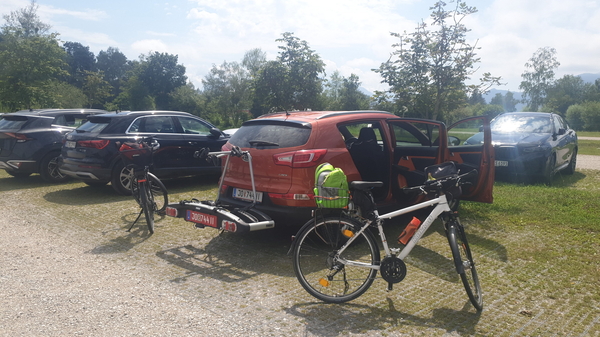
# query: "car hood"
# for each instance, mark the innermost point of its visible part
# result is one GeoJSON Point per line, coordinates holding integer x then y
{"type": "Point", "coordinates": [511, 138]}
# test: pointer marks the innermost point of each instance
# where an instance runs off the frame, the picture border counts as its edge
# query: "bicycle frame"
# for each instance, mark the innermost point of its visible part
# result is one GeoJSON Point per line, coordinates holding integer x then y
{"type": "Point", "coordinates": [441, 206]}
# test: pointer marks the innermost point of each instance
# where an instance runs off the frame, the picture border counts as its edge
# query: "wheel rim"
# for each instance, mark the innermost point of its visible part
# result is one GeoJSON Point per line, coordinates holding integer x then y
{"type": "Point", "coordinates": [53, 170]}
{"type": "Point", "coordinates": [126, 177]}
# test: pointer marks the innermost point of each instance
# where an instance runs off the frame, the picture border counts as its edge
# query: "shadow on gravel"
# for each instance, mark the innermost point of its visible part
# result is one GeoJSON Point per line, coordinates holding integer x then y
{"type": "Point", "coordinates": [233, 257]}
{"type": "Point", "coordinates": [34, 181]}
{"type": "Point", "coordinates": [324, 319]}
{"type": "Point", "coordinates": [85, 195]}
{"type": "Point", "coordinates": [138, 234]}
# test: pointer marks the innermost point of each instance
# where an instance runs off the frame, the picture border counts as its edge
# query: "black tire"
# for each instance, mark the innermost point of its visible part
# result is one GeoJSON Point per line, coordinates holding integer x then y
{"type": "Point", "coordinates": [315, 266]}
{"type": "Point", "coordinates": [121, 178]}
{"type": "Point", "coordinates": [49, 169]}
{"type": "Point", "coordinates": [548, 171]}
{"type": "Point", "coordinates": [465, 266]}
{"type": "Point", "coordinates": [159, 194]}
{"type": "Point", "coordinates": [147, 203]}
{"type": "Point", "coordinates": [572, 164]}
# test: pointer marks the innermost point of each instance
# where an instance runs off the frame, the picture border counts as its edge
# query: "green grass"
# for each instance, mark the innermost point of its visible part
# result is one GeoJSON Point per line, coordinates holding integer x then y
{"type": "Point", "coordinates": [588, 133]}
{"type": "Point", "coordinates": [589, 147]}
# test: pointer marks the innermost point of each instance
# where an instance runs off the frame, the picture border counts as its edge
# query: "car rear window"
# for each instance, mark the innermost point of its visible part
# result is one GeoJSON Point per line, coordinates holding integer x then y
{"type": "Point", "coordinates": [12, 122]}
{"type": "Point", "coordinates": [94, 125]}
{"type": "Point", "coordinates": [271, 135]}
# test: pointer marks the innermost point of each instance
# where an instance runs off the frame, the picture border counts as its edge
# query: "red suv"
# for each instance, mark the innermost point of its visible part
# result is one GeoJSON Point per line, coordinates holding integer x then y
{"type": "Point", "coordinates": [286, 148]}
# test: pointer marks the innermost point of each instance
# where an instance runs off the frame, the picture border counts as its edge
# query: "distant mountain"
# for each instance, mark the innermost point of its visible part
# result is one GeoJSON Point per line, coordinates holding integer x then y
{"type": "Point", "coordinates": [589, 78]}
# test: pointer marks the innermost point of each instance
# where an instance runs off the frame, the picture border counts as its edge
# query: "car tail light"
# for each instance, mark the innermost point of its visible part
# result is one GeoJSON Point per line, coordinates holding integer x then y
{"type": "Point", "coordinates": [303, 158]}
{"type": "Point", "coordinates": [96, 144]}
{"type": "Point", "coordinates": [223, 189]}
{"type": "Point", "coordinates": [21, 138]}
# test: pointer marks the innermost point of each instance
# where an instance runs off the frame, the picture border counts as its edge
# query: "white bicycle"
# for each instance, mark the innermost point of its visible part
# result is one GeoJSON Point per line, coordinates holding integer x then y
{"type": "Point", "coordinates": [336, 259]}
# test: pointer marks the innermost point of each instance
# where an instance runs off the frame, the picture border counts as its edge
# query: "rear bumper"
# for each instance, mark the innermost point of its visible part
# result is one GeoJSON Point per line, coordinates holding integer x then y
{"type": "Point", "coordinates": [87, 174]}
{"type": "Point", "coordinates": [29, 166]}
{"type": "Point", "coordinates": [283, 215]}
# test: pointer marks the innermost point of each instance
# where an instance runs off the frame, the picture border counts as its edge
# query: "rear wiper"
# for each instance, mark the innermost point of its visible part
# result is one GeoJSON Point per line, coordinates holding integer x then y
{"type": "Point", "coordinates": [262, 143]}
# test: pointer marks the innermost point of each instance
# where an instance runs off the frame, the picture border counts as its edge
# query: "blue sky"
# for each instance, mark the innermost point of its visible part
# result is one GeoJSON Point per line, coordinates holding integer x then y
{"type": "Point", "coordinates": [352, 36]}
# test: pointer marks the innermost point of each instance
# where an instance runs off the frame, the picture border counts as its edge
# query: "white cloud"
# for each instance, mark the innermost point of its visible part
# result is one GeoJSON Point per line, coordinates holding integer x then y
{"type": "Point", "coordinates": [150, 45]}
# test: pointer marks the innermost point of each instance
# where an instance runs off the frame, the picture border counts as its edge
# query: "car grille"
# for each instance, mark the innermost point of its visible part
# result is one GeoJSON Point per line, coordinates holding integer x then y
{"type": "Point", "coordinates": [506, 152]}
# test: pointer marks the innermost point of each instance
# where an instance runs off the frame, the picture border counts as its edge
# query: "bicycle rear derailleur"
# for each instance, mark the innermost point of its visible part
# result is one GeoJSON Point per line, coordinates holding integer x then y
{"type": "Point", "coordinates": [393, 270]}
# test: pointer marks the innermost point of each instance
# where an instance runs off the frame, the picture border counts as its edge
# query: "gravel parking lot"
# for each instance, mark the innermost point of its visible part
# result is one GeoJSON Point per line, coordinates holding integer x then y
{"type": "Point", "coordinates": [68, 267]}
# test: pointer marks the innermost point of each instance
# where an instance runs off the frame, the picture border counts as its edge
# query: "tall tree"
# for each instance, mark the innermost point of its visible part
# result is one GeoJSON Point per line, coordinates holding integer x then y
{"type": "Point", "coordinates": [538, 77]}
{"type": "Point", "coordinates": [565, 92]}
{"type": "Point", "coordinates": [295, 83]}
{"type": "Point", "coordinates": [351, 98]}
{"type": "Point", "coordinates": [30, 59]}
{"type": "Point", "coordinates": [95, 88]}
{"type": "Point", "coordinates": [227, 91]}
{"type": "Point", "coordinates": [160, 74]}
{"type": "Point", "coordinates": [80, 60]}
{"type": "Point", "coordinates": [428, 69]}
{"type": "Point", "coordinates": [114, 65]}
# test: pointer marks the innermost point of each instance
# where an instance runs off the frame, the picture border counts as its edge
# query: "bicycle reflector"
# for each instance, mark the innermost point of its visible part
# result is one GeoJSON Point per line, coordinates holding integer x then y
{"type": "Point", "coordinates": [324, 282]}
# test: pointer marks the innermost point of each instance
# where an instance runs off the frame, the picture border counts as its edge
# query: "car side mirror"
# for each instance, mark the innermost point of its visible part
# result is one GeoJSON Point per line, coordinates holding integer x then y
{"type": "Point", "coordinates": [215, 132]}
{"type": "Point", "coordinates": [561, 131]}
{"type": "Point", "coordinates": [453, 141]}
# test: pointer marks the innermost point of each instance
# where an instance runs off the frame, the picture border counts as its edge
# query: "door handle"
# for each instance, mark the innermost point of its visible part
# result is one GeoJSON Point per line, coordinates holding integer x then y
{"type": "Point", "coordinates": [193, 143]}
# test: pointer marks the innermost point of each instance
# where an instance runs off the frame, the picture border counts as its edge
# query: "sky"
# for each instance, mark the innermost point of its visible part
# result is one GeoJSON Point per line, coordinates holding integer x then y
{"type": "Point", "coordinates": [351, 36]}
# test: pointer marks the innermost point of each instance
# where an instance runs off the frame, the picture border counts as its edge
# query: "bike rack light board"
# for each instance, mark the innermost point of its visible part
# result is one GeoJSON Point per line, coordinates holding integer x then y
{"type": "Point", "coordinates": [208, 213]}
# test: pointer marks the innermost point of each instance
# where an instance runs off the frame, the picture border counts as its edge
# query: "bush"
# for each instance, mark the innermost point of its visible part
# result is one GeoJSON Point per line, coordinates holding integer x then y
{"type": "Point", "coordinates": [585, 116]}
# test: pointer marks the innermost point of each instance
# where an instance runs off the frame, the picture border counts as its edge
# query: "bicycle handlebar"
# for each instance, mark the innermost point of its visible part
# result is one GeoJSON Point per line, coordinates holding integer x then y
{"type": "Point", "coordinates": [441, 184]}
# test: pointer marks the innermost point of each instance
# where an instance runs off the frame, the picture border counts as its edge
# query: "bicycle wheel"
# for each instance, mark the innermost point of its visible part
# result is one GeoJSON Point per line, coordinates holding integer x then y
{"type": "Point", "coordinates": [147, 203]}
{"type": "Point", "coordinates": [319, 270]}
{"type": "Point", "coordinates": [159, 193]}
{"type": "Point", "coordinates": [464, 263]}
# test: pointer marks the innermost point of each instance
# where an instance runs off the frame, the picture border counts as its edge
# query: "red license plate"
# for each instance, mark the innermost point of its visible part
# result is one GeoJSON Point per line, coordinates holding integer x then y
{"type": "Point", "coordinates": [201, 218]}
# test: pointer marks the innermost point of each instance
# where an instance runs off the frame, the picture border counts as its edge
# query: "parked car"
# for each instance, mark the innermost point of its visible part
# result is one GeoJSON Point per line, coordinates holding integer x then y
{"type": "Point", "coordinates": [30, 141]}
{"type": "Point", "coordinates": [532, 145]}
{"type": "Point", "coordinates": [286, 148]}
{"type": "Point", "coordinates": [91, 152]}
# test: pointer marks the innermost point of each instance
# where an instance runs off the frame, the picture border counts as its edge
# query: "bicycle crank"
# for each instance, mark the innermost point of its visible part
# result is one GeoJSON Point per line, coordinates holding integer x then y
{"type": "Point", "coordinates": [393, 270]}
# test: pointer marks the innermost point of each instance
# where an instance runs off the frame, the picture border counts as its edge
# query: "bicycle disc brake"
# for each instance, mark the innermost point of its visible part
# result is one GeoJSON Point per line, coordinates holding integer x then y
{"type": "Point", "coordinates": [392, 269]}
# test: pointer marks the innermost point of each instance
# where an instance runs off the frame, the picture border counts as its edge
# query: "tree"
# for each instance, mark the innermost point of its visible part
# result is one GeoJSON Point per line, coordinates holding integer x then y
{"type": "Point", "coordinates": [187, 98]}
{"type": "Point", "coordinates": [95, 88]}
{"type": "Point", "coordinates": [160, 74]}
{"type": "Point", "coordinates": [351, 98]}
{"type": "Point", "coordinates": [25, 23]}
{"type": "Point", "coordinates": [30, 60]}
{"type": "Point", "coordinates": [565, 92]}
{"type": "Point", "coordinates": [253, 61]}
{"type": "Point", "coordinates": [114, 65]}
{"type": "Point", "coordinates": [585, 116]}
{"type": "Point", "coordinates": [539, 78]}
{"type": "Point", "coordinates": [80, 60]}
{"type": "Point", "coordinates": [294, 83]}
{"type": "Point", "coordinates": [428, 69]}
{"type": "Point", "coordinates": [227, 92]}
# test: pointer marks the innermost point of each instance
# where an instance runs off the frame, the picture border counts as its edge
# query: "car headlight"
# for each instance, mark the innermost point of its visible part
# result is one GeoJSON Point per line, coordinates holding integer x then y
{"type": "Point", "coordinates": [533, 149]}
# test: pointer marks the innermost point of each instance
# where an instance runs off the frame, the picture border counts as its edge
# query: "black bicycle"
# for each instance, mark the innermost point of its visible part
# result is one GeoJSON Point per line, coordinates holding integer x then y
{"type": "Point", "coordinates": [147, 190]}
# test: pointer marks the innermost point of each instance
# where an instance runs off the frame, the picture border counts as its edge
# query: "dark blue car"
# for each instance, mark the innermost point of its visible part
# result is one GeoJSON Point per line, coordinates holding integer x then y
{"type": "Point", "coordinates": [531, 146]}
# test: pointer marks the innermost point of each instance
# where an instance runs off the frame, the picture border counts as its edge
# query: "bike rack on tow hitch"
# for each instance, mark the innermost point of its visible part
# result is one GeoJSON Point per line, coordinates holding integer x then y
{"type": "Point", "coordinates": [208, 213]}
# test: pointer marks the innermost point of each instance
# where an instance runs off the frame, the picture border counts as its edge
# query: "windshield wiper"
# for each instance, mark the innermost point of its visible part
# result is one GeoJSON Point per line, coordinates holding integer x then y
{"type": "Point", "coordinates": [262, 143]}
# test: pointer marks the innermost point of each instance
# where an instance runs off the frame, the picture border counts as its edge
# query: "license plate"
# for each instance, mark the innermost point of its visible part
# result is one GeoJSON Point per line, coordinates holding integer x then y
{"type": "Point", "coordinates": [70, 144]}
{"type": "Point", "coordinates": [501, 163]}
{"type": "Point", "coordinates": [246, 195]}
{"type": "Point", "coordinates": [201, 218]}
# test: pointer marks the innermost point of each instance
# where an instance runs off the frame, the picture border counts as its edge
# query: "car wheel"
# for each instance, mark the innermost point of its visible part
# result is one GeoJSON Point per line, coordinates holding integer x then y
{"type": "Point", "coordinates": [49, 169]}
{"type": "Point", "coordinates": [548, 173]}
{"type": "Point", "coordinates": [19, 174]}
{"type": "Point", "coordinates": [121, 178]}
{"type": "Point", "coordinates": [571, 168]}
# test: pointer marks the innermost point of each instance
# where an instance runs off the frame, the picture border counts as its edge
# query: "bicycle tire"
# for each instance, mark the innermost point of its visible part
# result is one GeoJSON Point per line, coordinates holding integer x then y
{"type": "Point", "coordinates": [463, 260]}
{"type": "Point", "coordinates": [314, 265]}
{"type": "Point", "coordinates": [147, 204]}
{"type": "Point", "coordinates": [159, 193]}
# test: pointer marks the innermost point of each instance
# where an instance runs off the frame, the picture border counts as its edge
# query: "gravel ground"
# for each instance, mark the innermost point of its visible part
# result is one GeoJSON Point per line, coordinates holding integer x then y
{"type": "Point", "coordinates": [61, 276]}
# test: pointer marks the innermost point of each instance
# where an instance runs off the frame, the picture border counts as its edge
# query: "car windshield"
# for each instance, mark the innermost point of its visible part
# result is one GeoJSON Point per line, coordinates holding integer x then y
{"type": "Point", "coordinates": [521, 124]}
